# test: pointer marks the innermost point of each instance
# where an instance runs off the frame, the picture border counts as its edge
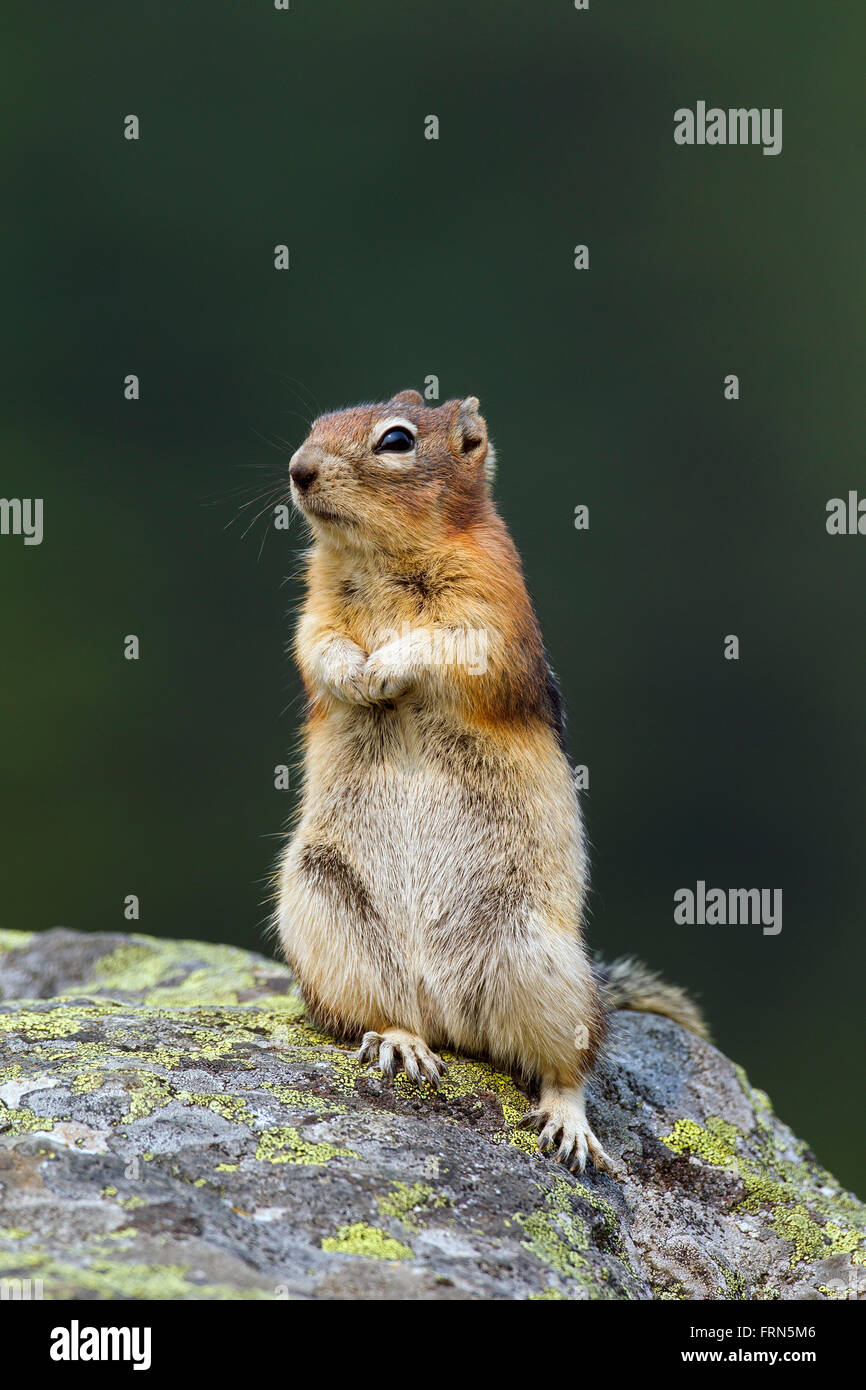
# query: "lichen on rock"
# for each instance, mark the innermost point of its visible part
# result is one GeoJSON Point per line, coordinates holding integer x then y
{"type": "Point", "coordinates": [172, 1126]}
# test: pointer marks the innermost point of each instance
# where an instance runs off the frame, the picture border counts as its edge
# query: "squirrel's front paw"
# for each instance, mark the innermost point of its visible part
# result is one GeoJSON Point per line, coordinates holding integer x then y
{"type": "Point", "coordinates": [394, 1049]}
{"type": "Point", "coordinates": [385, 674]}
{"type": "Point", "coordinates": [346, 677]}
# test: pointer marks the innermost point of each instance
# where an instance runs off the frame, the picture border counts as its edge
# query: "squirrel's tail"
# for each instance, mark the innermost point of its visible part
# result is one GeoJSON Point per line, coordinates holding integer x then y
{"type": "Point", "coordinates": [628, 984]}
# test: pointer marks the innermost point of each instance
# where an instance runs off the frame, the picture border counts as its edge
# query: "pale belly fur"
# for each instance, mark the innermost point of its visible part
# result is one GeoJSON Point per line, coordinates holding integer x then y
{"type": "Point", "coordinates": [439, 898]}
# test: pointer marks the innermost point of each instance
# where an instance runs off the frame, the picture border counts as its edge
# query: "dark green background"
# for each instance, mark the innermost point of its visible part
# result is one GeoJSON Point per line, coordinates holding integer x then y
{"type": "Point", "coordinates": [455, 258]}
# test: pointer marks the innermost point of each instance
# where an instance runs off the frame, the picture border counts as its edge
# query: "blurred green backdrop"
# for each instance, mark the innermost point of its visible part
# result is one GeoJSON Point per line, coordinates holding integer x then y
{"type": "Point", "coordinates": [411, 257]}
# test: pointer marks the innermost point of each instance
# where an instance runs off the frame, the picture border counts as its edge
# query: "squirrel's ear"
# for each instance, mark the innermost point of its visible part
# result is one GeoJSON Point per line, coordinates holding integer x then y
{"type": "Point", "coordinates": [409, 397]}
{"type": "Point", "coordinates": [468, 433]}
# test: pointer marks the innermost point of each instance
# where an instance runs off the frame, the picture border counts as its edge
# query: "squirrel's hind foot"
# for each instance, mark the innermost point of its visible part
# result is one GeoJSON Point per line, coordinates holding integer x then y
{"type": "Point", "coordinates": [561, 1118]}
{"type": "Point", "coordinates": [394, 1049]}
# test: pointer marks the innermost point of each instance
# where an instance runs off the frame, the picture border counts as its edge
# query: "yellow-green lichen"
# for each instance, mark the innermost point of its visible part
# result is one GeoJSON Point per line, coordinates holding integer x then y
{"type": "Point", "coordinates": [284, 1009]}
{"type": "Point", "coordinates": [556, 1234]}
{"type": "Point", "coordinates": [369, 1241]}
{"type": "Point", "coordinates": [716, 1144]}
{"type": "Point", "coordinates": [86, 1081]}
{"type": "Point", "coordinates": [149, 1093]}
{"type": "Point", "coordinates": [160, 970]}
{"type": "Point", "coordinates": [59, 1021]}
{"type": "Point", "coordinates": [812, 1241]}
{"type": "Point", "coordinates": [735, 1284]}
{"type": "Point", "coordinates": [405, 1202]}
{"type": "Point", "coordinates": [799, 1201]}
{"type": "Point", "coordinates": [835, 1293]}
{"type": "Point", "coordinates": [14, 940]}
{"type": "Point", "coordinates": [109, 1279]}
{"type": "Point", "coordinates": [467, 1079]}
{"type": "Point", "coordinates": [23, 1121]}
{"type": "Point", "coordinates": [283, 1144]}
{"type": "Point", "coordinates": [294, 1099]}
{"type": "Point", "coordinates": [230, 1107]}
{"type": "Point", "coordinates": [117, 1059]}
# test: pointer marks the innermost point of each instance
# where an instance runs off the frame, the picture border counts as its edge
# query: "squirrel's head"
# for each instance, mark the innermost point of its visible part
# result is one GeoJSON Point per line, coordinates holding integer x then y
{"type": "Point", "coordinates": [396, 475]}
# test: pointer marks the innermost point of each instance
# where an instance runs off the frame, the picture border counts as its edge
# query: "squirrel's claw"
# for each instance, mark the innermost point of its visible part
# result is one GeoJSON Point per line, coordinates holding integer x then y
{"type": "Point", "coordinates": [395, 1048]}
{"type": "Point", "coordinates": [572, 1138]}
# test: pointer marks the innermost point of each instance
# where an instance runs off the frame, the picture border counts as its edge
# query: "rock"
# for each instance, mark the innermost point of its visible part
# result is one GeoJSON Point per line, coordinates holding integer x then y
{"type": "Point", "coordinates": [171, 1127]}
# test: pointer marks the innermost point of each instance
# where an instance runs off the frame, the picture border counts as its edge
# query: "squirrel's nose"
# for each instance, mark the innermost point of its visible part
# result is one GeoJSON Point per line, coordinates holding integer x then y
{"type": "Point", "coordinates": [302, 473]}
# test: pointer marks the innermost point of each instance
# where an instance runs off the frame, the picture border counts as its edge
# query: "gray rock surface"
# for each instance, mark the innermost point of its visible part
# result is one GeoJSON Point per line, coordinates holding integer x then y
{"type": "Point", "coordinates": [171, 1126]}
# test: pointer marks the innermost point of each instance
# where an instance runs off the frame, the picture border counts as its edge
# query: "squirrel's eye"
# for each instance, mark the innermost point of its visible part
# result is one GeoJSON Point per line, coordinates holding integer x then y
{"type": "Point", "coordinates": [395, 441]}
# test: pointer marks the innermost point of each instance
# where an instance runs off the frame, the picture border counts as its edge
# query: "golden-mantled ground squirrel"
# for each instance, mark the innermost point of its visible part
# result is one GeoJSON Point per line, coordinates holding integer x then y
{"type": "Point", "coordinates": [433, 892]}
